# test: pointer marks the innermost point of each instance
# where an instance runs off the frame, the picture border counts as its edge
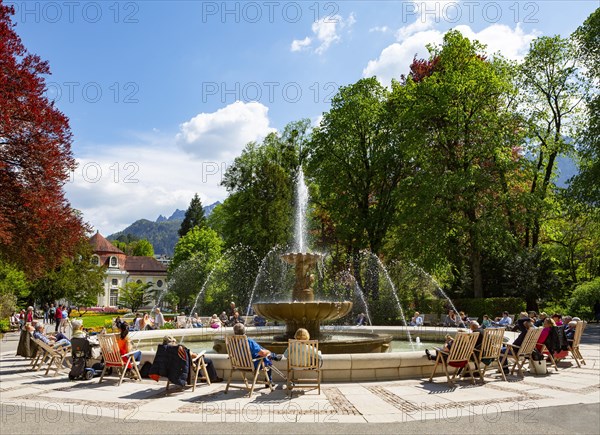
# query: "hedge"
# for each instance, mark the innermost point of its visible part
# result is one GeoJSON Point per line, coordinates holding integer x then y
{"type": "Point", "coordinates": [493, 307]}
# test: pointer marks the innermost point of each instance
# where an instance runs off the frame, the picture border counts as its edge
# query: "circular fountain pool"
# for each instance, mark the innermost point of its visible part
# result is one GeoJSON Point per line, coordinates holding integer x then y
{"type": "Point", "coordinates": [345, 367]}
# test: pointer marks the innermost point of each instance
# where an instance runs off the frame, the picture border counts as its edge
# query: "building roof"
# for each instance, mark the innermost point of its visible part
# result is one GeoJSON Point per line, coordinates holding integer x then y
{"type": "Point", "coordinates": [101, 245]}
{"type": "Point", "coordinates": [144, 265]}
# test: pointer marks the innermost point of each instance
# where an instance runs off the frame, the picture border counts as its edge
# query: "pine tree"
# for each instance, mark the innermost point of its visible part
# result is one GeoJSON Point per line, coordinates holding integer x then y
{"type": "Point", "coordinates": [194, 216]}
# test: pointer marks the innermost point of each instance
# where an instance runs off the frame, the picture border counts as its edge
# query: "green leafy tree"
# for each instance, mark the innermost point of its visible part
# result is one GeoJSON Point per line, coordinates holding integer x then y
{"type": "Point", "coordinates": [135, 295]}
{"type": "Point", "coordinates": [143, 248]}
{"type": "Point", "coordinates": [553, 91]}
{"type": "Point", "coordinates": [76, 279]}
{"type": "Point", "coordinates": [132, 245]}
{"type": "Point", "coordinates": [194, 216]}
{"type": "Point", "coordinates": [460, 202]}
{"type": "Point", "coordinates": [196, 254]}
{"type": "Point", "coordinates": [13, 283]}
{"type": "Point", "coordinates": [258, 212]}
{"type": "Point", "coordinates": [584, 299]}
{"type": "Point", "coordinates": [586, 185]}
{"type": "Point", "coordinates": [357, 157]}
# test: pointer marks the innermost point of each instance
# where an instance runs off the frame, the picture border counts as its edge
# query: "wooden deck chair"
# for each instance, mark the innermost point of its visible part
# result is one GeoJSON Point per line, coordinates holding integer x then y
{"type": "Point", "coordinates": [545, 351]}
{"type": "Point", "coordinates": [522, 353]}
{"type": "Point", "coordinates": [574, 344]}
{"type": "Point", "coordinates": [183, 322]}
{"type": "Point", "coordinates": [303, 355]}
{"type": "Point", "coordinates": [55, 357]}
{"type": "Point", "coordinates": [242, 361]}
{"type": "Point", "coordinates": [491, 351]}
{"type": "Point", "coordinates": [459, 356]}
{"type": "Point", "coordinates": [113, 358]}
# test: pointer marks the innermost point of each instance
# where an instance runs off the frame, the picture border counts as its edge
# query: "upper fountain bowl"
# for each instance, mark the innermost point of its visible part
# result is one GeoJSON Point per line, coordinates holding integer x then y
{"type": "Point", "coordinates": [298, 311]}
{"type": "Point", "coordinates": [308, 259]}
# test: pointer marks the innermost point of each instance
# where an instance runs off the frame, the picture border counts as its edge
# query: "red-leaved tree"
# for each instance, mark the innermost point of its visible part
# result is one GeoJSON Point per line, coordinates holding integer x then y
{"type": "Point", "coordinates": [38, 227]}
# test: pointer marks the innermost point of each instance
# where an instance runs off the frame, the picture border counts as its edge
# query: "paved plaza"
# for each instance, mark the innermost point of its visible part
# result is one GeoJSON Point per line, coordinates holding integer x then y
{"type": "Point", "coordinates": [563, 401]}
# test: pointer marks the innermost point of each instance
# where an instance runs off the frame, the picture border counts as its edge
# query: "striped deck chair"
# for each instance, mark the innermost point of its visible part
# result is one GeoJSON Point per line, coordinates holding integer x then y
{"type": "Point", "coordinates": [241, 360]}
{"type": "Point", "coordinates": [303, 355]}
{"type": "Point", "coordinates": [522, 353]}
{"type": "Point", "coordinates": [491, 351]}
{"type": "Point", "coordinates": [113, 358]}
{"type": "Point", "coordinates": [574, 345]}
{"type": "Point", "coordinates": [458, 357]}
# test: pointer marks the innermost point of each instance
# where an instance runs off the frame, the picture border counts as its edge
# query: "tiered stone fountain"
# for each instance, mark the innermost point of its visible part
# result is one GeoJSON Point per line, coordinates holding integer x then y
{"type": "Point", "coordinates": [303, 311]}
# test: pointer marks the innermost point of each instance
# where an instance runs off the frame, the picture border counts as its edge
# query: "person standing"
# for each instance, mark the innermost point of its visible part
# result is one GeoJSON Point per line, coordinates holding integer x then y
{"type": "Point", "coordinates": [58, 317]}
{"type": "Point", "coordinates": [46, 307]}
{"type": "Point", "coordinates": [159, 319]}
{"type": "Point", "coordinates": [29, 315]}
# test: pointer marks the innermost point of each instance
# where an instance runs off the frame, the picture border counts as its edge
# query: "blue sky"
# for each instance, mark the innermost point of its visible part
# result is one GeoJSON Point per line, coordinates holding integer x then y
{"type": "Point", "coordinates": [163, 95]}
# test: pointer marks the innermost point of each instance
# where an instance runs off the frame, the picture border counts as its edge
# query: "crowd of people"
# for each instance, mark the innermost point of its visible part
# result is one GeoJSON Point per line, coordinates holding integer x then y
{"type": "Point", "coordinates": [557, 331]}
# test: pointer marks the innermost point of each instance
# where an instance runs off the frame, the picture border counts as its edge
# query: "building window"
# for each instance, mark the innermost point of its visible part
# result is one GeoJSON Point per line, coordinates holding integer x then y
{"type": "Point", "coordinates": [95, 260]}
{"type": "Point", "coordinates": [114, 297]}
{"type": "Point", "coordinates": [159, 283]}
{"type": "Point", "coordinates": [114, 262]}
{"type": "Point", "coordinates": [115, 282]}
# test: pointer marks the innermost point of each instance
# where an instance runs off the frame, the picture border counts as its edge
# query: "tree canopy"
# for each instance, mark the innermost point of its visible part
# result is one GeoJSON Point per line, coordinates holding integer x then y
{"type": "Point", "coordinates": [38, 227]}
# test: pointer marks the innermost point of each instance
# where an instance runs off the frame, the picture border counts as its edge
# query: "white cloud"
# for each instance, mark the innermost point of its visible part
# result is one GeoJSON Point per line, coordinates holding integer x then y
{"type": "Point", "coordinates": [512, 44]}
{"type": "Point", "coordinates": [326, 32]}
{"type": "Point", "coordinates": [115, 185]}
{"type": "Point", "coordinates": [224, 133]}
{"type": "Point", "coordinates": [395, 59]}
{"type": "Point", "coordinates": [300, 44]}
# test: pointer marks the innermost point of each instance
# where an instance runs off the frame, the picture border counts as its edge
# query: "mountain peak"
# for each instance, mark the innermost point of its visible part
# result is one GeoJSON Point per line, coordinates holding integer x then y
{"type": "Point", "coordinates": [163, 233]}
{"type": "Point", "coordinates": [177, 215]}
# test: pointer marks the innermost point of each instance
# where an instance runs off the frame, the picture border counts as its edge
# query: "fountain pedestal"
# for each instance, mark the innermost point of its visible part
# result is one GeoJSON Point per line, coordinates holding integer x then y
{"type": "Point", "coordinates": [303, 311]}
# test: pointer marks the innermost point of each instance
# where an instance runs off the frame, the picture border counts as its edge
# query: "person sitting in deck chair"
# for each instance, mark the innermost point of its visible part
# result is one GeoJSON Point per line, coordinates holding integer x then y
{"type": "Point", "coordinates": [256, 349]}
{"type": "Point", "coordinates": [55, 341]}
{"type": "Point", "coordinates": [303, 335]}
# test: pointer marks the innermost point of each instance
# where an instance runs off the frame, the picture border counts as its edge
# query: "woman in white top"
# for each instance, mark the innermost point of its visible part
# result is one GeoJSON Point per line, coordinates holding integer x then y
{"type": "Point", "coordinates": [303, 335]}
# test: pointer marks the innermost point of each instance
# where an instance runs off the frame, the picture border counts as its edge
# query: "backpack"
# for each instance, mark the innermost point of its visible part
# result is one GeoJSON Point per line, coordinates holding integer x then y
{"type": "Point", "coordinates": [77, 369]}
{"type": "Point", "coordinates": [536, 355]}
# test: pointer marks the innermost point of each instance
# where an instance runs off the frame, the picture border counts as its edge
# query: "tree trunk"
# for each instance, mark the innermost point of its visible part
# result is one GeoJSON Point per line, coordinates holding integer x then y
{"type": "Point", "coordinates": [476, 273]}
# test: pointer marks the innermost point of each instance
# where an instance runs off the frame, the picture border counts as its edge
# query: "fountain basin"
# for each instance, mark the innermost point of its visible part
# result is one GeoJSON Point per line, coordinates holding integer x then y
{"type": "Point", "coordinates": [346, 367]}
{"type": "Point", "coordinates": [306, 314]}
{"type": "Point", "coordinates": [336, 343]}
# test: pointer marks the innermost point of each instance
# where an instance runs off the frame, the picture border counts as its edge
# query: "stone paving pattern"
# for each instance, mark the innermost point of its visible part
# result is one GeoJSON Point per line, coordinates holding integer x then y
{"type": "Point", "coordinates": [358, 402]}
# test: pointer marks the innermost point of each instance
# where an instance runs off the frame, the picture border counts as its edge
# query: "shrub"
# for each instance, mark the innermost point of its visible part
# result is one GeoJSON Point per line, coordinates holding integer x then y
{"type": "Point", "coordinates": [583, 299]}
{"type": "Point", "coordinates": [493, 307]}
{"type": "Point", "coordinates": [4, 325]}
